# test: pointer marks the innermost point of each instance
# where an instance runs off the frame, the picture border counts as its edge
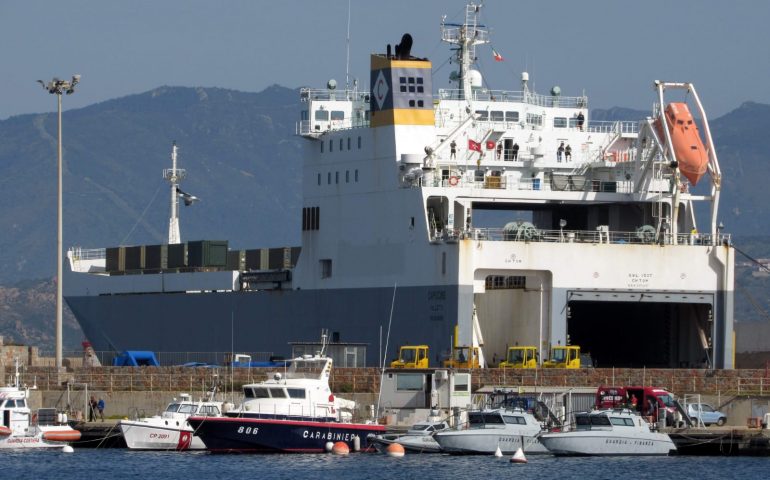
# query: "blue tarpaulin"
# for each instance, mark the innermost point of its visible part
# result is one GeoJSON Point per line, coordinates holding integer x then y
{"type": "Point", "coordinates": [135, 358]}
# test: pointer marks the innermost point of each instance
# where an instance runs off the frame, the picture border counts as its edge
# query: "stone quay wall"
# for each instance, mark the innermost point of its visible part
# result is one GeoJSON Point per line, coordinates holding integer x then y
{"type": "Point", "coordinates": [367, 380]}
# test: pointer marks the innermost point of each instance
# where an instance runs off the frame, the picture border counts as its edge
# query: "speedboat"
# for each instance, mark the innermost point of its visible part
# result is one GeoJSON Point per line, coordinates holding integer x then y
{"type": "Point", "coordinates": [170, 430]}
{"type": "Point", "coordinates": [608, 432]}
{"type": "Point", "coordinates": [487, 429]}
{"type": "Point", "coordinates": [21, 428]}
{"type": "Point", "coordinates": [418, 439]}
{"type": "Point", "coordinates": [294, 411]}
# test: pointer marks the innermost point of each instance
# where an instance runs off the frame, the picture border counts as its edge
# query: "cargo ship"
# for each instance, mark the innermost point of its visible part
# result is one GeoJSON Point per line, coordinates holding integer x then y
{"type": "Point", "coordinates": [455, 216]}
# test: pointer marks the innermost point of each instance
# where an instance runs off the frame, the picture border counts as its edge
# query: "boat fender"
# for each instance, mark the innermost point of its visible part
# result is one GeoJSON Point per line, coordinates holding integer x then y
{"type": "Point", "coordinates": [453, 180]}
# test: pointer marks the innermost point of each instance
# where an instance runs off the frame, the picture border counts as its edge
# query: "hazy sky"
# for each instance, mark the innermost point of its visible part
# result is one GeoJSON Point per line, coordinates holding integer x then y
{"type": "Point", "coordinates": [612, 50]}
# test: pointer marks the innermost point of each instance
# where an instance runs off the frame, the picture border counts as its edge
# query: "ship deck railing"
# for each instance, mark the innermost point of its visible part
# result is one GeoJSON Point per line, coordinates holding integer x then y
{"type": "Point", "coordinates": [529, 98]}
{"type": "Point", "coordinates": [522, 233]}
{"type": "Point", "coordinates": [562, 183]}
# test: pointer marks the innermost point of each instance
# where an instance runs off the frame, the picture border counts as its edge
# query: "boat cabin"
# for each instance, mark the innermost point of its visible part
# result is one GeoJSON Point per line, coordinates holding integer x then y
{"type": "Point", "coordinates": [609, 420]}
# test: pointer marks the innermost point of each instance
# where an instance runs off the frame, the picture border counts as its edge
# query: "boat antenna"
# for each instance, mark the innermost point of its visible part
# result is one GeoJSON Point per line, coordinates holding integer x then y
{"type": "Point", "coordinates": [385, 354]}
{"type": "Point", "coordinates": [347, 59]}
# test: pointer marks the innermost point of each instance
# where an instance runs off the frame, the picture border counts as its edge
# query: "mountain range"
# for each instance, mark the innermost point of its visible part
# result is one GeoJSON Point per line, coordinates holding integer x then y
{"type": "Point", "coordinates": [243, 161]}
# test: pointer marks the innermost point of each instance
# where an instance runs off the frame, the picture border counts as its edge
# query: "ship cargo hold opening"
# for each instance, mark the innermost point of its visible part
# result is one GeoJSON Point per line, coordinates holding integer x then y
{"type": "Point", "coordinates": [639, 334]}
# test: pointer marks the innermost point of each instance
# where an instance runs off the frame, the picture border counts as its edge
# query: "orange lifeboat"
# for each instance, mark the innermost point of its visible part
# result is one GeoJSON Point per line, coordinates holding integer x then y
{"type": "Point", "coordinates": [62, 435]}
{"type": "Point", "coordinates": [688, 147]}
{"type": "Point", "coordinates": [5, 431]}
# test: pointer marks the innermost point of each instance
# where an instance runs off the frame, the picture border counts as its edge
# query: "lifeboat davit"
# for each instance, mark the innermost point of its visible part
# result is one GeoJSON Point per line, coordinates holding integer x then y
{"type": "Point", "coordinates": [688, 146]}
{"type": "Point", "coordinates": [62, 435]}
{"type": "Point", "coordinates": [5, 431]}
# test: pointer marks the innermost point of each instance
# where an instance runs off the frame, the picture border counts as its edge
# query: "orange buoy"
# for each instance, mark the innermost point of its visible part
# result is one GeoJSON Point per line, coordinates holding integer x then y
{"type": "Point", "coordinates": [62, 435]}
{"type": "Point", "coordinates": [519, 457]}
{"type": "Point", "coordinates": [340, 448]}
{"type": "Point", "coordinates": [5, 431]}
{"type": "Point", "coordinates": [395, 450]}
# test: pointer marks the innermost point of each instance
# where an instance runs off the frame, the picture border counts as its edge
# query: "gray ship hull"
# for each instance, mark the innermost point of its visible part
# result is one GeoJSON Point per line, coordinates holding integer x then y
{"type": "Point", "coordinates": [266, 321]}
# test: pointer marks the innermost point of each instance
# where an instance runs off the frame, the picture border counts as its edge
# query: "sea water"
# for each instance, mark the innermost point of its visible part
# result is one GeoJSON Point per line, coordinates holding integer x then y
{"type": "Point", "coordinates": [86, 464]}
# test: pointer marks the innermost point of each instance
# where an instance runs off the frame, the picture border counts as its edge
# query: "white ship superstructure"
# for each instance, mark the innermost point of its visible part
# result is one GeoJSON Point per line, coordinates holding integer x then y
{"type": "Point", "coordinates": [596, 232]}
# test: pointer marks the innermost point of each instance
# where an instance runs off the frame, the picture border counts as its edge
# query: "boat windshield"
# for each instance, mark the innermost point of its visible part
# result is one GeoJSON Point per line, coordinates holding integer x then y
{"type": "Point", "coordinates": [172, 407]}
{"type": "Point", "coordinates": [592, 420]}
{"type": "Point", "coordinates": [188, 408]}
{"type": "Point", "coordinates": [479, 420]}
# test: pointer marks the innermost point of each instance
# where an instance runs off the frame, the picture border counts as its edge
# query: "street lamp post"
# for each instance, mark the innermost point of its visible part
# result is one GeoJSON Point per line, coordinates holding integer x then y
{"type": "Point", "coordinates": [57, 87]}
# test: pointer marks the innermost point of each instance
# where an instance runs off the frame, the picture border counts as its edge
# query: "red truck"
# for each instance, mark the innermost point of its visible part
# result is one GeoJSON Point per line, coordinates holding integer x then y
{"type": "Point", "coordinates": [648, 401]}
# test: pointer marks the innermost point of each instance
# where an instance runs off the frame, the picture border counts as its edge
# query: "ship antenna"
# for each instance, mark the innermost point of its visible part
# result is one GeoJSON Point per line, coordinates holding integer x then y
{"type": "Point", "coordinates": [174, 175]}
{"type": "Point", "coordinates": [347, 59]}
{"type": "Point", "coordinates": [466, 37]}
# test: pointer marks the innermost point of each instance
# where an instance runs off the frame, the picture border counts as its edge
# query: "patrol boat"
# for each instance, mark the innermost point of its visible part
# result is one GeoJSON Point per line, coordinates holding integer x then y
{"type": "Point", "coordinates": [293, 412]}
{"type": "Point", "coordinates": [608, 432]}
{"type": "Point", "coordinates": [510, 235]}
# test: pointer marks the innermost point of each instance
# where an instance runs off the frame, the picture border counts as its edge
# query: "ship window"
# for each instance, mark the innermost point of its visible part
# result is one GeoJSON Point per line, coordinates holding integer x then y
{"type": "Point", "coordinates": [497, 115]}
{"type": "Point", "coordinates": [10, 403]}
{"type": "Point", "coordinates": [328, 178]}
{"type": "Point", "coordinates": [336, 177]}
{"type": "Point", "coordinates": [511, 116]}
{"type": "Point", "coordinates": [402, 81]}
{"type": "Point", "coordinates": [348, 143]}
{"type": "Point", "coordinates": [261, 392]}
{"type": "Point", "coordinates": [599, 420]}
{"type": "Point", "coordinates": [560, 122]}
{"type": "Point", "coordinates": [187, 408]}
{"type": "Point", "coordinates": [326, 267]}
{"type": "Point", "coordinates": [172, 407]}
{"type": "Point", "coordinates": [322, 147]}
{"type": "Point", "coordinates": [303, 115]}
{"type": "Point", "coordinates": [493, 418]}
{"type": "Point", "coordinates": [513, 420]}
{"type": "Point", "coordinates": [277, 393]}
{"type": "Point", "coordinates": [620, 421]}
{"type": "Point", "coordinates": [534, 119]}
{"type": "Point", "coordinates": [356, 175]}
{"type": "Point", "coordinates": [248, 393]}
{"type": "Point", "coordinates": [573, 122]}
{"type": "Point", "coordinates": [322, 115]}
{"type": "Point", "coordinates": [420, 103]}
{"type": "Point", "coordinates": [482, 115]}
{"type": "Point", "coordinates": [347, 176]}
{"type": "Point", "coordinates": [22, 402]}
{"type": "Point", "coordinates": [411, 85]}
{"type": "Point", "coordinates": [420, 88]}
{"type": "Point", "coordinates": [411, 103]}
{"type": "Point", "coordinates": [582, 420]}
{"type": "Point", "coordinates": [359, 142]}
{"type": "Point", "coordinates": [410, 382]}
{"type": "Point", "coordinates": [338, 115]}
{"type": "Point", "coordinates": [319, 176]}
{"type": "Point", "coordinates": [331, 145]}
{"type": "Point", "coordinates": [296, 392]}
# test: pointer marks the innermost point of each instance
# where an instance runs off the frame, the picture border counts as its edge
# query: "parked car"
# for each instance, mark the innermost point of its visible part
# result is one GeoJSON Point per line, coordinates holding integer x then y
{"type": "Point", "coordinates": [706, 413]}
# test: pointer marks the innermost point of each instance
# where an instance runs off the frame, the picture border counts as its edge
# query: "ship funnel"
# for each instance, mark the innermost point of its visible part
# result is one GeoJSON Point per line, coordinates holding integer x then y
{"type": "Point", "coordinates": [404, 49]}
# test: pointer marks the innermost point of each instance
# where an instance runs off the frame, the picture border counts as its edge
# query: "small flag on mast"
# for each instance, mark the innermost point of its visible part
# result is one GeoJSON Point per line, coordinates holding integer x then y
{"type": "Point", "coordinates": [498, 57]}
{"type": "Point", "coordinates": [474, 145]}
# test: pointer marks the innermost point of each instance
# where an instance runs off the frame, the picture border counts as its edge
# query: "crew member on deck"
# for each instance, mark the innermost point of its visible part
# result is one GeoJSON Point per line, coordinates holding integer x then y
{"type": "Point", "coordinates": [560, 152]}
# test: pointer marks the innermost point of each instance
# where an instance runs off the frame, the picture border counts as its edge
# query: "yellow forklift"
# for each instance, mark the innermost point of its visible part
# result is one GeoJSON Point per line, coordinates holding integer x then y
{"type": "Point", "coordinates": [520, 357]}
{"type": "Point", "coordinates": [411, 356]}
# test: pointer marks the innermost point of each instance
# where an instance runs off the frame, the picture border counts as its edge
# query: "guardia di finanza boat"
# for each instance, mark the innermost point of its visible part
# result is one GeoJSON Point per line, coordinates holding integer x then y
{"type": "Point", "coordinates": [511, 214]}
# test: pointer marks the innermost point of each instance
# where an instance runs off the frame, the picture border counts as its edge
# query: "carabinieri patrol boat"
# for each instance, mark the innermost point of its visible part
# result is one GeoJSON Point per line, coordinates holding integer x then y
{"type": "Point", "coordinates": [510, 214]}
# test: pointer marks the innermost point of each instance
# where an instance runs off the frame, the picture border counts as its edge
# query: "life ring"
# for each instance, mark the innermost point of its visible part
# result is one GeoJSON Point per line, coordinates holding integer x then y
{"type": "Point", "coordinates": [453, 180]}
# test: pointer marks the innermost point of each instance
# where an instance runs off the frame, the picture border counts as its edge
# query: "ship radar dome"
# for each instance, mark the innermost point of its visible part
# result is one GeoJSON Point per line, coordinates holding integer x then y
{"type": "Point", "coordinates": [331, 84]}
{"type": "Point", "coordinates": [475, 78]}
{"type": "Point", "coordinates": [524, 76]}
{"type": "Point", "coordinates": [556, 91]}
